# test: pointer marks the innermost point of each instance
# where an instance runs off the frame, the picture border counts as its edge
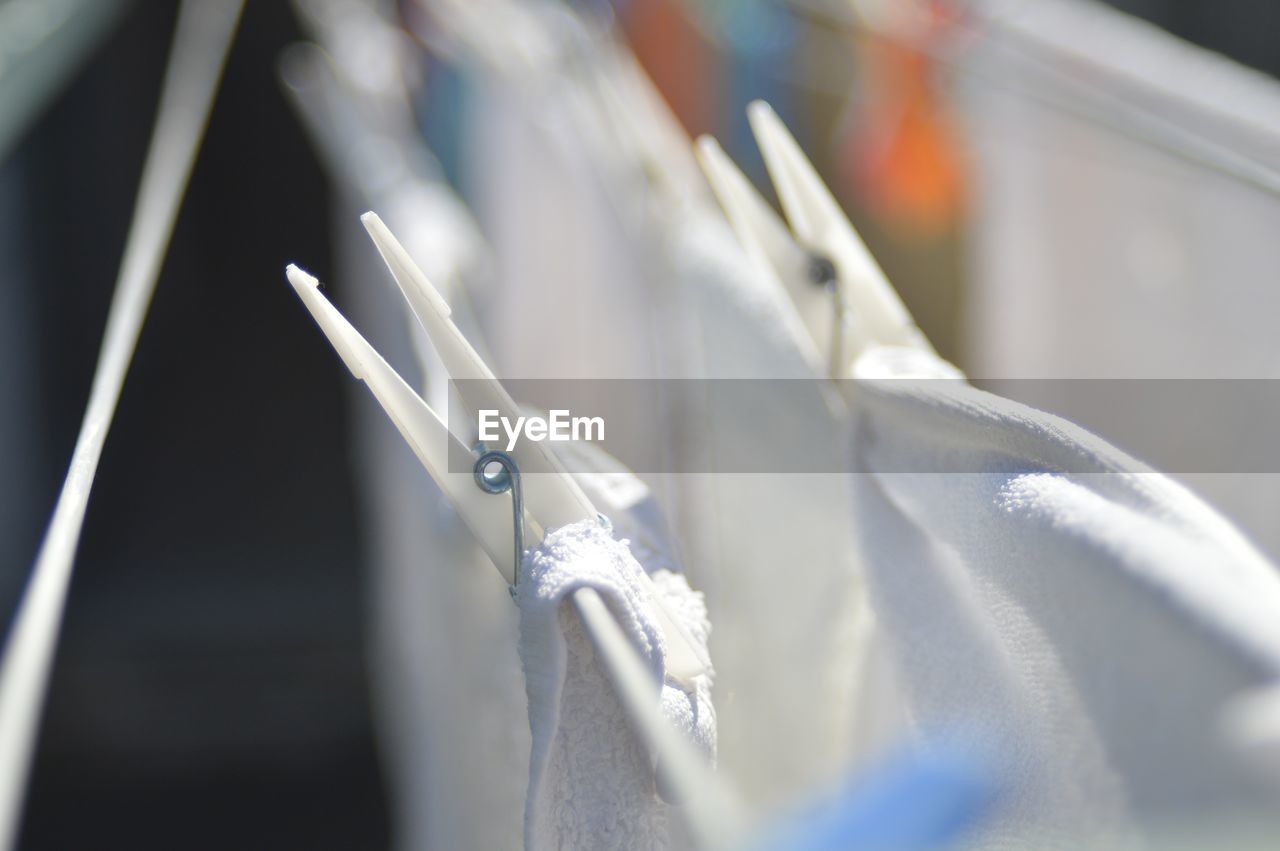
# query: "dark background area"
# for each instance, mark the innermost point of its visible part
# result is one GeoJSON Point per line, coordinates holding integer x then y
{"type": "Point", "coordinates": [210, 688]}
{"type": "Point", "coordinates": [1246, 30]}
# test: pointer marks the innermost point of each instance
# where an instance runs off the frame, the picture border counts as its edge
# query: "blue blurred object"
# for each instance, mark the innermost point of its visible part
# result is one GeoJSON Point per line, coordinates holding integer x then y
{"type": "Point", "coordinates": [912, 802]}
{"type": "Point", "coordinates": [442, 99]}
{"type": "Point", "coordinates": [757, 38]}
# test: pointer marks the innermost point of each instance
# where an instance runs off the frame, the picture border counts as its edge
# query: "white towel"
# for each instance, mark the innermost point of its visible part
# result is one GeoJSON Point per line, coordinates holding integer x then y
{"type": "Point", "coordinates": [1083, 619]}
{"type": "Point", "coordinates": [591, 780]}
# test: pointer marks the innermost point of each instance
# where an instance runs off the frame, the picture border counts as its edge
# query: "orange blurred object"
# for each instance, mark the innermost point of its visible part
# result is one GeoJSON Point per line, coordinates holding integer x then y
{"type": "Point", "coordinates": [678, 58]}
{"type": "Point", "coordinates": [902, 154]}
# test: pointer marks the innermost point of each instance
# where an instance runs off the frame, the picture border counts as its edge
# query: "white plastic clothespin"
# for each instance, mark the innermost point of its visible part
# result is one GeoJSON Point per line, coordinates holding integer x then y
{"type": "Point", "coordinates": [645, 123]}
{"type": "Point", "coordinates": [551, 497]}
{"type": "Point", "coordinates": [864, 309]}
{"type": "Point", "coordinates": [770, 247]}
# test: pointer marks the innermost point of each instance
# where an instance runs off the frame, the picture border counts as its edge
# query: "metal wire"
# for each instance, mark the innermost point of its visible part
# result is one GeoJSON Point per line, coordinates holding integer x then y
{"type": "Point", "coordinates": [508, 481]}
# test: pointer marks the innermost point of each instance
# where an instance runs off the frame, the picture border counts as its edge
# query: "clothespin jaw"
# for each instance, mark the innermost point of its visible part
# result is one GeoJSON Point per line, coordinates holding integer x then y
{"type": "Point", "coordinates": [554, 497]}
{"type": "Point", "coordinates": [868, 309]}
{"type": "Point", "coordinates": [551, 499]}
{"type": "Point", "coordinates": [769, 245]}
{"type": "Point", "coordinates": [646, 120]}
{"type": "Point", "coordinates": [427, 435]}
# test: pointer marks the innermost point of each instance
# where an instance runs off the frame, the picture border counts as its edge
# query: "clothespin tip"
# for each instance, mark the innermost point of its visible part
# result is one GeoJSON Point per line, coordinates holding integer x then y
{"type": "Point", "coordinates": [713, 161]}
{"type": "Point", "coordinates": [717, 165]}
{"type": "Point", "coordinates": [406, 272]}
{"type": "Point", "coordinates": [307, 286]}
{"type": "Point", "coordinates": [759, 110]}
{"type": "Point", "coordinates": [299, 278]}
{"type": "Point", "coordinates": [804, 197]}
{"type": "Point", "coordinates": [706, 144]}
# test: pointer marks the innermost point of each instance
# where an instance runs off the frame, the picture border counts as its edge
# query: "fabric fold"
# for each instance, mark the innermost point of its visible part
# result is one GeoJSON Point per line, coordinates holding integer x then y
{"type": "Point", "coordinates": [1088, 615]}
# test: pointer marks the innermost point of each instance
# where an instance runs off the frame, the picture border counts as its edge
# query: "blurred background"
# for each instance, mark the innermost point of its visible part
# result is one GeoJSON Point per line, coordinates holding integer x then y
{"type": "Point", "coordinates": [1057, 189]}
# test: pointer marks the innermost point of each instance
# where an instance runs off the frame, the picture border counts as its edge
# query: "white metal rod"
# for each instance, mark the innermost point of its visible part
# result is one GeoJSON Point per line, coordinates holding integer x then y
{"type": "Point", "coordinates": [708, 806]}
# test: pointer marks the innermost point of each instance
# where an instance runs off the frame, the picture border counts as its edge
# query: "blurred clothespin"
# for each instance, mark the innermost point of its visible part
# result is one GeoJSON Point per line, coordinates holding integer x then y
{"type": "Point", "coordinates": [842, 295]}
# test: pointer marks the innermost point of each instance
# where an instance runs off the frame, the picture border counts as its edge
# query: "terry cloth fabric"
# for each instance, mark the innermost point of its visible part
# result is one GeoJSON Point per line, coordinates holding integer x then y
{"type": "Point", "coordinates": [1055, 604]}
{"type": "Point", "coordinates": [591, 779]}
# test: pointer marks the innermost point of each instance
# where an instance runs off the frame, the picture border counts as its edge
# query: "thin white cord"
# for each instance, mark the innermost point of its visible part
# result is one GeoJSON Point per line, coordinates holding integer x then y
{"type": "Point", "coordinates": [201, 41]}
